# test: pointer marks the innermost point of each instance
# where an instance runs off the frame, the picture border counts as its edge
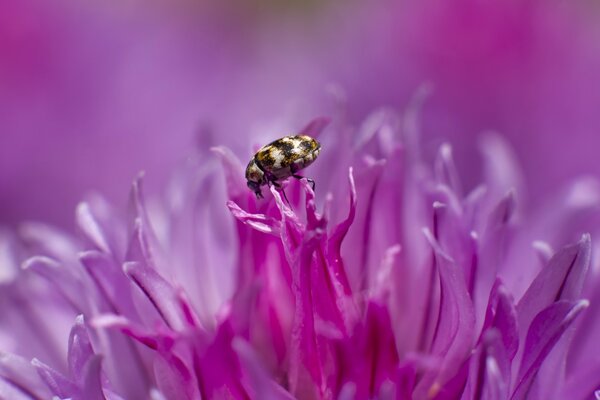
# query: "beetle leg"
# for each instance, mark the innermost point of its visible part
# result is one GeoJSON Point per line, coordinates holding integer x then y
{"type": "Point", "coordinates": [311, 181]}
{"type": "Point", "coordinates": [280, 188]}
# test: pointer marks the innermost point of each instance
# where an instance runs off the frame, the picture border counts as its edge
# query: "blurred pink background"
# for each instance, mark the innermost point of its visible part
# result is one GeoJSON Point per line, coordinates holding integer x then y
{"type": "Point", "coordinates": [91, 93]}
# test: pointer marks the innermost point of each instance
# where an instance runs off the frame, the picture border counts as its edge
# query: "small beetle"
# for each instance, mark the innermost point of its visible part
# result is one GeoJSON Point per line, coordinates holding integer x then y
{"type": "Point", "coordinates": [281, 159]}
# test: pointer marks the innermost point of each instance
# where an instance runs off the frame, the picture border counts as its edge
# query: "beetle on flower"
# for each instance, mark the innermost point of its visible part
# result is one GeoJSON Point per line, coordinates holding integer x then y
{"type": "Point", "coordinates": [281, 159]}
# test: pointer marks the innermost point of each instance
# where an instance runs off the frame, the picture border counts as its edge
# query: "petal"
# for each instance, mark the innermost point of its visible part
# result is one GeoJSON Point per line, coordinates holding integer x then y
{"type": "Point", "coordinates": [110, 280]}
{"type": "Point", "coordinates": [90, 226]}
{"type": "Point", "coordinates": [234, 172]}
{"type": "Point", "coordinates": [405, 380]}
{"type": "Point", "coordinates": [582, 383]}
{"type": "Point", "coordinates": [58, 384]}
{"type": "Point", "coordinates": [369, 357]}
{"type": "Point", "coordinates": [505, 320]}
{"type": "Point", "coordinates": [161, 294]}
{"type": "Point", "coordinates": [445, 170]}
{"type": "Point", "coordinates": [156, 339]}
{"type": "Point", "coordinates": [305, 366]}
{"type": "Point", "coordinates": [218, 367]}
{"type": "Point", "coordinates": [260, 222]}
{"type": "Point", "coordinates": [92, 386]}
{"type": "Point", "coordinates": [545, 330]}
{"type": "Point", "coordinates": [489, 370]}
{"type": "Point", "coordinates": [454, 332]}
{"type": "Point", "coordinates": [49, 241]}
{"type": "Point", "coordinates": [174, 379]}
{"type": "Point", "coordinates": [356, 249]}
{"type": "Point", "coordinates": [561, 279]}
{"type": "Point", "coordinates": [11, 390]}
{"type": "Point", "coordinates": [334, 256]}
{"type": "Point", "coordinates": [257, 382]}
{"type": "Point", "coordinates": [9, 263]}
{"type": "Point", "coordinates": [80, 350]}
{"type": "Point", "coordinates": [315, 127]}
{"type": "Point", "coordinates": [20, 374]}
{"type": "Point", "coordinates": [501, 169]}
{"type": "Point", "coordinates": [62, 280]}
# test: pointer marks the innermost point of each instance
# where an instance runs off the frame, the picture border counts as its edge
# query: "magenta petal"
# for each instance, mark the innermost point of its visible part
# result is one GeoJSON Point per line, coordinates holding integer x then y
{"type": "Point", "coordinates": [257, 382]}
{"type": "Point", "coordinates": [140, 247]}
{"type": "Point", "coordinates": [454, 332]}
{"type": "Point", "coordinates": [561, 279]}
{"type": "Point", "coordinates": [315, 127]}
{"type": "Point", "coordinates": [405, 380]}
{"type": "Point", "coordinates": [91, 227]}
{"type": "Point", "coordinates": [110, 280]}
{"type": "Point", "coordinates": [61, 279]}
{"type": "Point", "coordinates": [234, 172]}
{"type": "Point", "coordinates": [492, 252]}
{"type": "Point", "coordinates": [218, 367]}
{"type": "Point", "coordinates": [160, 293]}
{"type": "Point", "coordinates": [144, 245]}
{"type": "Point", "coordinates": [445, 169]}
{"type": "Point", "coordinates": [260, 222]}
{"type": "Point", "coordinates": [502, 315]}
{"type": "Point", "coordinates": [174, 379]}
{"type": "Point", "coordinates": [91, 385]}
{"type": "Point", "coordinates": [489, 370]}
{"type": "Point", "coordinates": [501, 169]}
{"type": "Point", "coordinates": [356, 249]}
{"type": "Point", "coordinates": [58, 384]}
{"type": "Point", "coordinates": [18, 373]}
{"type": "Point", "coordinates": [172, 374]}
{"type": "Point", "coordinates": [11, 390]}
{"type": "Point", "coordinates": [305, 366]}
{"type": "Point", "coordinates": [49, 241]}
{"type": "Point", "coordinates": [80, 350]}
{"type": "Point", "coordinates": [369, 358]}
{"type": "Point", "coordinates": [545, 330]}
{"type": "Point", "coordinates": [160, 341]}
{"type": "Point", "coordinates": [582, 384]}
{"type": "Point", "coordinates": [337, 236]}
{"type": "Point", "coordinates": [505, 320]}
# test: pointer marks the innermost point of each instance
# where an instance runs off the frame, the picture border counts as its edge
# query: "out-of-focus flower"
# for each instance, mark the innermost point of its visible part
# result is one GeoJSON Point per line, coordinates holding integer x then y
{"type": "Point", "coordinates": [394, 282]}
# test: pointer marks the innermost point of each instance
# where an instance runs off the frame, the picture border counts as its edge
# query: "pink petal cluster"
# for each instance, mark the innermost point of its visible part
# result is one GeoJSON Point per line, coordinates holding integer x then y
{"type": "Point", "coordinates": [391, 282]}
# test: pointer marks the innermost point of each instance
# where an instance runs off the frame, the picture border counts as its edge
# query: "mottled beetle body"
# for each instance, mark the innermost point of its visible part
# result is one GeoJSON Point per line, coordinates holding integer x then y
{"type": "Point", "coordinates": [281, 159]}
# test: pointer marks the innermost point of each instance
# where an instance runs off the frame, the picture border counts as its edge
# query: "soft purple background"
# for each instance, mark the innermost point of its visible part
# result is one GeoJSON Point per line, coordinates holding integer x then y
{"type": "Point", "coordinates": [93, 92]}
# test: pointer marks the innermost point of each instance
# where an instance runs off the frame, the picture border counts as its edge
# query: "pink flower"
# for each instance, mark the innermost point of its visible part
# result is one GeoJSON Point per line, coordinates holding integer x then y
{"type": "Point", "coordinates": [390, 283]}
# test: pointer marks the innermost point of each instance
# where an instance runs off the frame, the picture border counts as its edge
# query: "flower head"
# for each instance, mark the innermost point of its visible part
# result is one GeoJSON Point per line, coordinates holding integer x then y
{"type": "Point", "coordinates": [391, 281]}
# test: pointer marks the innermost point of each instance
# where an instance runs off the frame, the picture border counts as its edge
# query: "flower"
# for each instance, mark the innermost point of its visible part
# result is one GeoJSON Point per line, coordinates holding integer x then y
{"type": "Point", "coordinates": [390, 281]}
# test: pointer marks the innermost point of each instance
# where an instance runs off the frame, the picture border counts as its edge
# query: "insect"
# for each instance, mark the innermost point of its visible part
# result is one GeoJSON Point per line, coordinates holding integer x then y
{"type": "Point", "coordinates": [279, 160]}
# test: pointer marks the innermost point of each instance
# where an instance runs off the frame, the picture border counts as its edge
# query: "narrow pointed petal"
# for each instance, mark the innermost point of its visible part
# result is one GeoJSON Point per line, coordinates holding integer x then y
{"type": "Point", "coordinates": [454, 332]}
{"type": "Point", "coordinates": [561, 279]}
{"type": "Point", "coordinates": [445, 169]}
{"type": "Point", "coordinates": [92, 385]}
{"type": "Point", "coordinates": [259, 384]}
{"type": "Point", "coordinates": [337, 236]}
{"type": "Point", "coordinates": [91, 227]}
{"type": "Point", "coordinates": [80, 350]}
{"type": "Point", "coordinates": [160, 293]}
{"type": "Point", "coordinates": [10, 390]}
{"type": "Point", "coordinates": [260, 222]}
{"type": "Point", "coordinates": [545, 330]}
{"type": "Point", "coordinates": [315, 127]}
{"type": "Point", "coordinates": [21, 374]}
{"type": "Point", "coordinates": [58, 384]}
{"type": "Point", "coordinates": [234, 172]}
